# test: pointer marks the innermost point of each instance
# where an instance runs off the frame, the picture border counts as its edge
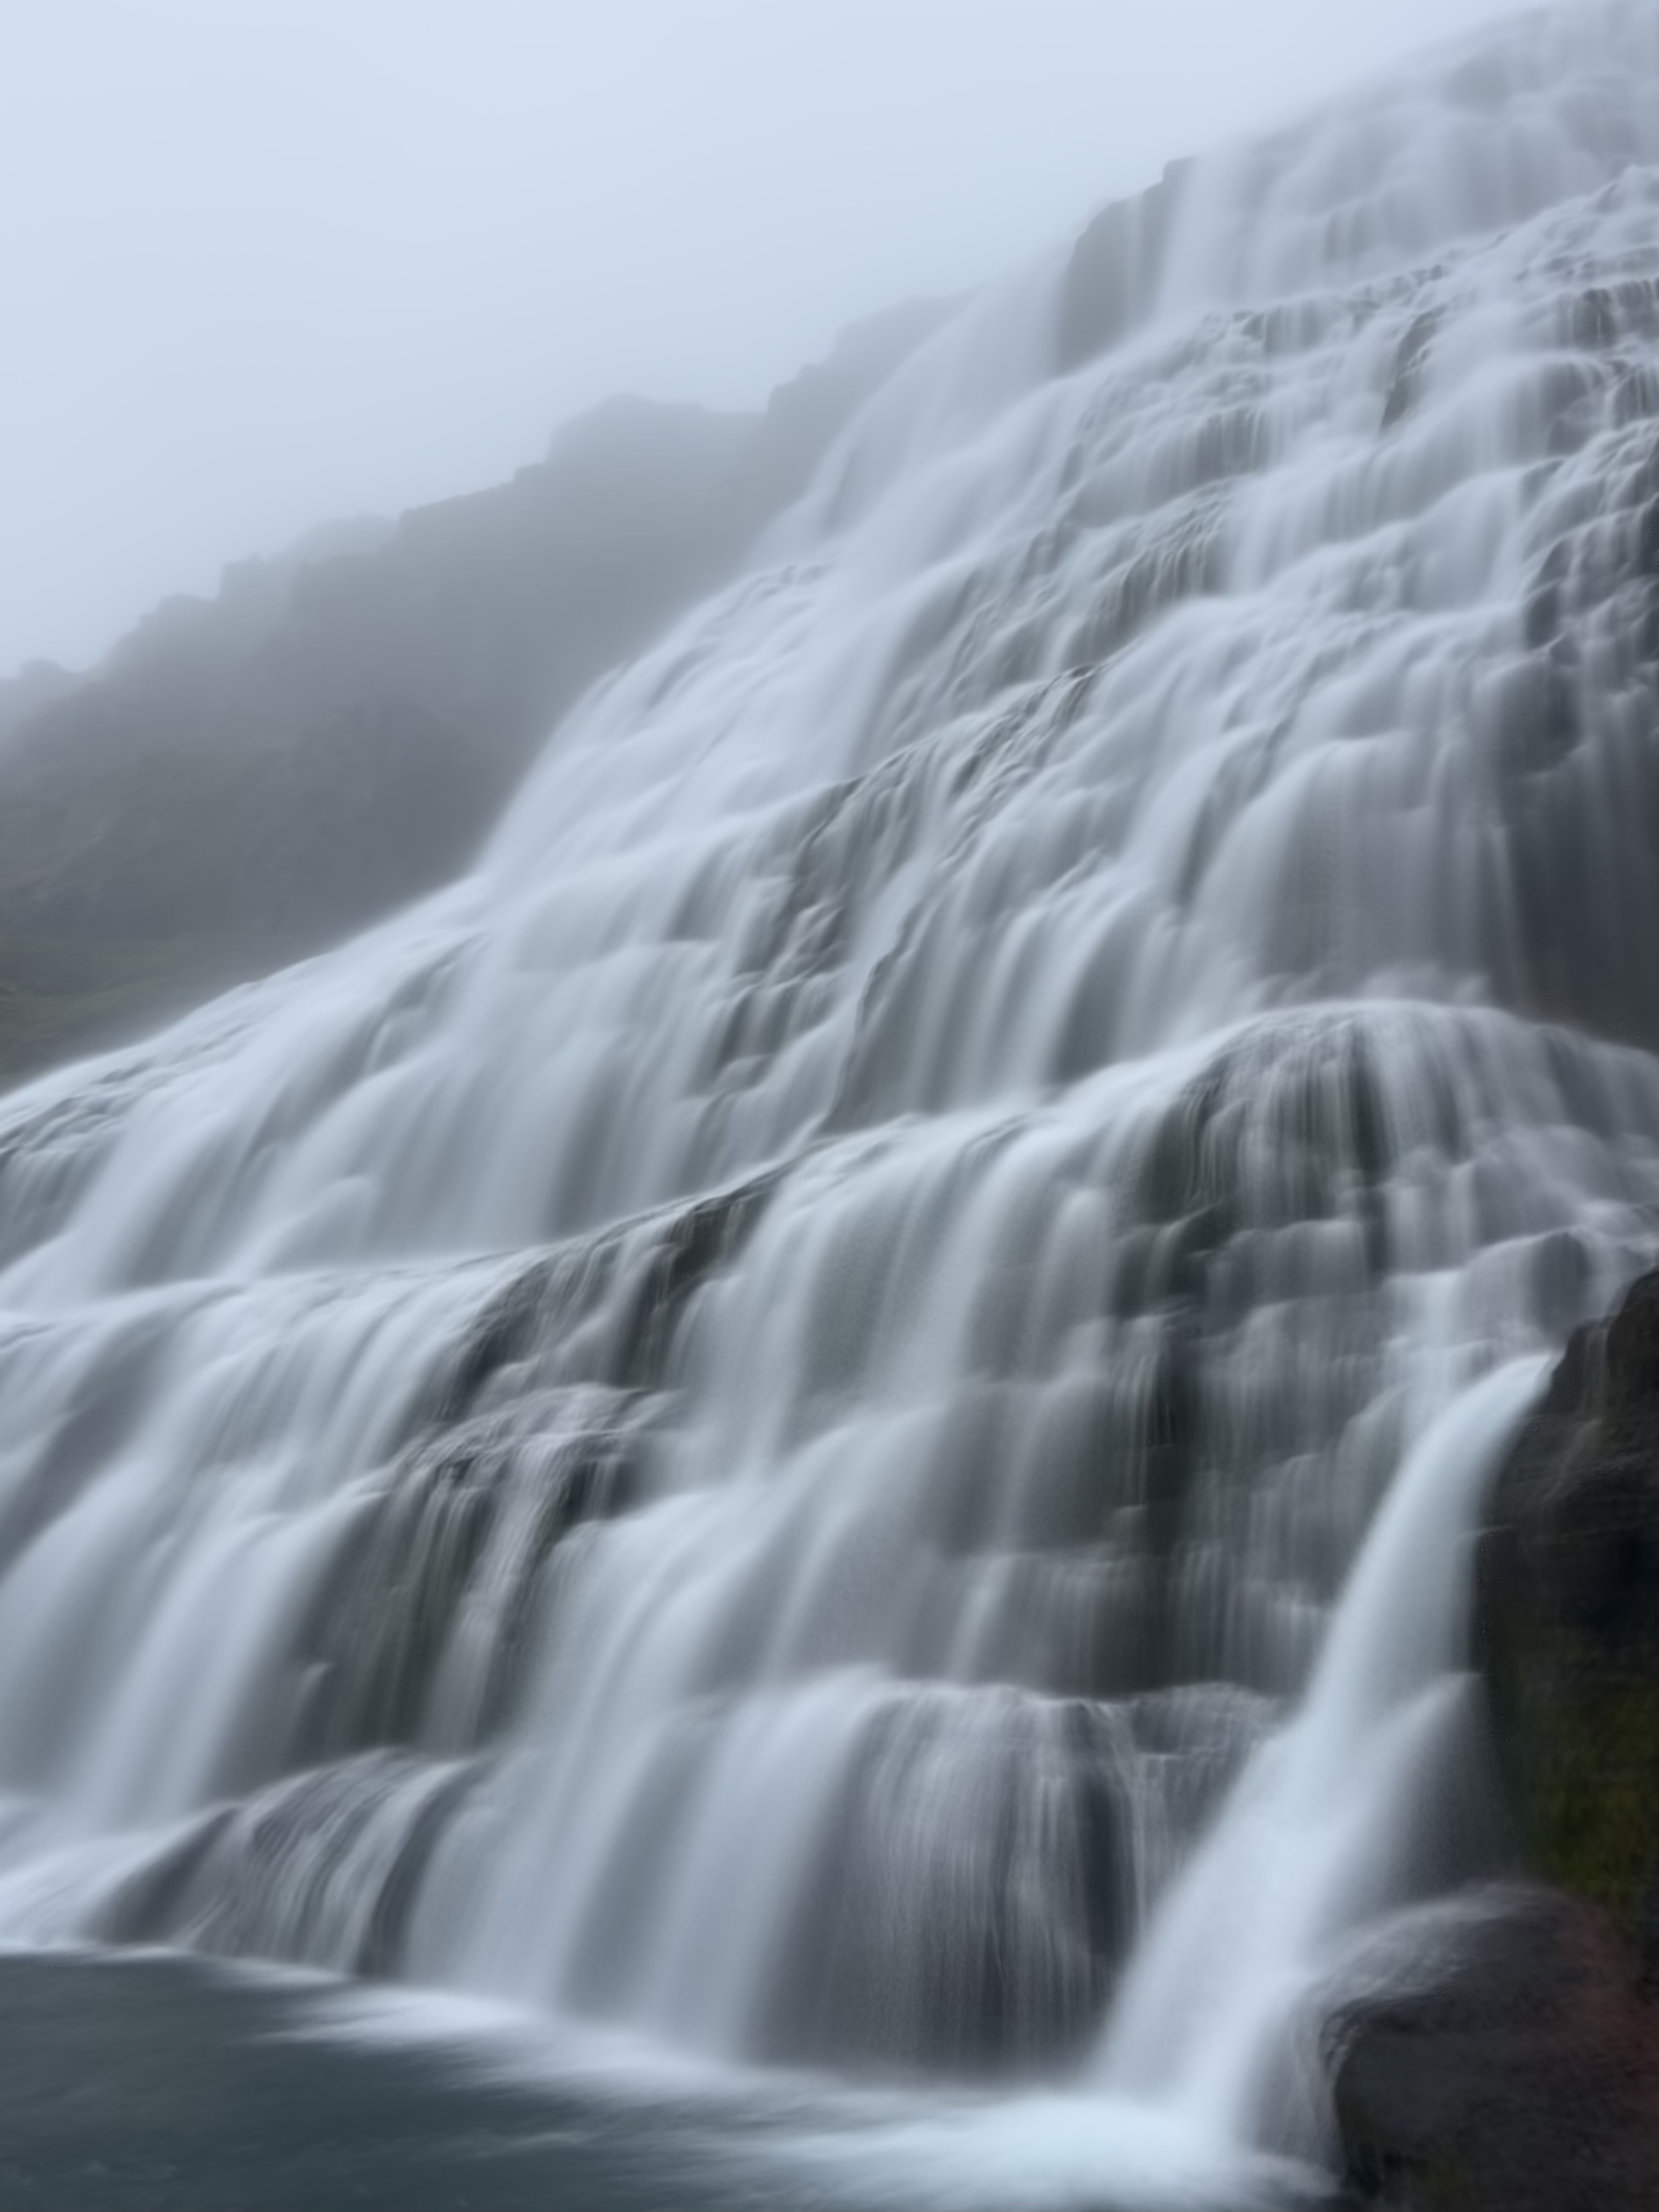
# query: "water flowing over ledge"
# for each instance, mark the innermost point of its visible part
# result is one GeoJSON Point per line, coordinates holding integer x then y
{"type": "Point", "coordinates": [756, 1424]}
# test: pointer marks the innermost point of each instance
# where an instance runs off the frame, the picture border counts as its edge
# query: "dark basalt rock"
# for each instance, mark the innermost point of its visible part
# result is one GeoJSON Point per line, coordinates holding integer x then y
{"type": "Point", "coordinates": [1527, 2074]}
{"type": "Point", "coordinates": [1567, 1623]}
{"type": "Point", "coordinates": [1526, 2079]}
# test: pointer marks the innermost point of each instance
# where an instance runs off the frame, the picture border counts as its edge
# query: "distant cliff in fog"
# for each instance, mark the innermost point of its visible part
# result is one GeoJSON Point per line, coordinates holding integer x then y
{"type": "Point", "coordinates": [246, 779]}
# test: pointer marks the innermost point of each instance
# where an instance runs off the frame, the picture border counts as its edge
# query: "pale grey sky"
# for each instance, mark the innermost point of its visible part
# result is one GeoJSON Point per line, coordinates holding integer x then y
{"type": "Point", "coordinates": [267, 262]}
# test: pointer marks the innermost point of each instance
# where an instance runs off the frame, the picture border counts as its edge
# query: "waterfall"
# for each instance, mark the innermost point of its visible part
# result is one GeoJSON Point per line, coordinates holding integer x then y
{"type": "Point", "coordinates": [825, 1417]}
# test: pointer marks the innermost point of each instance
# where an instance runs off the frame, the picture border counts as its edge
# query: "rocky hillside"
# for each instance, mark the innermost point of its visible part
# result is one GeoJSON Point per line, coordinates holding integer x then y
{"type": "Point", "coordinates": [246, 779]}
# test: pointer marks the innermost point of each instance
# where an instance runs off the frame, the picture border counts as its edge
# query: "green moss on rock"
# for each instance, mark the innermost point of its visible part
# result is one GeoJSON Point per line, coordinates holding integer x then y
{"type": "Point", "coordinates": [1567, 1622]}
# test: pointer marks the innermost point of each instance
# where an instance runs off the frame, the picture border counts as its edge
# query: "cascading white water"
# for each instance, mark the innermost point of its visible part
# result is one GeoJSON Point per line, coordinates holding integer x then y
{"type": "Point", "coordinates": [741, 1425]}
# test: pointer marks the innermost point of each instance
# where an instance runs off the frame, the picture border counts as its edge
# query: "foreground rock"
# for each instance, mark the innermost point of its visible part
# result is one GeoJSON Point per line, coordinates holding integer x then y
{"type": "Point", "coordinates": [1527, 2076]}
{"type": "Point", "coordinates": [1567, 1623]}
{"type": "Point", "coordinates": [1526, 2080]}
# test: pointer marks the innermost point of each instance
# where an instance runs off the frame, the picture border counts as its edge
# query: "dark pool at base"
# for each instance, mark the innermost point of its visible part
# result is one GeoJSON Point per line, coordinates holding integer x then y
{"type": "Point", "coordinates": [146, 2082]}
{"type": "Point", "coordinates": [140, 2082]}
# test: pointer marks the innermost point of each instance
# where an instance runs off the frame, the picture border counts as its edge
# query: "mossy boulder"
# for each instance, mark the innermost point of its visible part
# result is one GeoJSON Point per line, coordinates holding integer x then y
{"type": "Point", "coordinates": [1567, 1621]}
{"type": "Point", "coordinates": [1520, 2072]}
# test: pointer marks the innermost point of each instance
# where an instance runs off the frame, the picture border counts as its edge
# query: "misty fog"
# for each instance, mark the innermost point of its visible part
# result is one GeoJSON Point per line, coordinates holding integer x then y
{"type": "Point", "coordinates": [266, 265]}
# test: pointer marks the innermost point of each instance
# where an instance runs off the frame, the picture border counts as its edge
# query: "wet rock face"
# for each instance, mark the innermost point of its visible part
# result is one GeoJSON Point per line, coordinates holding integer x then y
{"type": "Point", "coordinates": [1112, 280]}
{"type": "Point", "coordinates": [1526, 2079]}
{"type": "Point", "coordinates": [1567, 1623]}
{"type": "Point", "coordinates": [1526, 2073]}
